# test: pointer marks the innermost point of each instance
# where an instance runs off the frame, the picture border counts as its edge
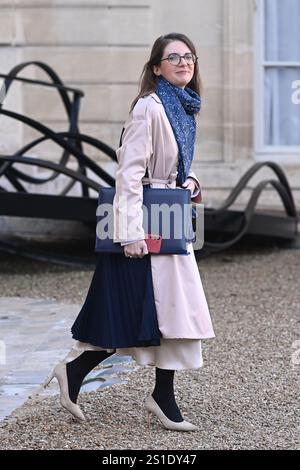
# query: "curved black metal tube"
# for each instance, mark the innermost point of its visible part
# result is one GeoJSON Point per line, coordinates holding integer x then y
{"type": "Point", "coordinates": [56, 81]}
{"type": "Point", "coordinates": [71, 143]}
{"type": "Point", "coordinates": [52, 166]}
{"type": "Point", "coordinates": [71, 107]}
{"type": "Point", "coordinates": [248, 213]}
{"type": "Point", "coordinates": [82, 137]}
{"type": "Point", "coordinates": [59, 86]}
{"type": "Point", "coordinates": [287, 197]}
{"type": "Point", "coordinates": [81, 157]}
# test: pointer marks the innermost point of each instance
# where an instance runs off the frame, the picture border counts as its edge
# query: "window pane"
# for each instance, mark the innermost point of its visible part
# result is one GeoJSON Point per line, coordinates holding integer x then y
{"type": "Point", "coordinates": [282, 116]}
{"type": "Point", "coordinates": [282, 31]}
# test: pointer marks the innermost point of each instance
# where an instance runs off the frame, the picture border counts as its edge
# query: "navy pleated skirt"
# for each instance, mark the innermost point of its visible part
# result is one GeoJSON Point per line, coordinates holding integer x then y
{"type": "Point", "coordinates": [119, 310]}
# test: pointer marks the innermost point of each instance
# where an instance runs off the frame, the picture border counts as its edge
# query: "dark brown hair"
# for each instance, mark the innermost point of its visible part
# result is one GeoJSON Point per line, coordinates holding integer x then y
{"type": "Point", "coordinates": [148, 80]}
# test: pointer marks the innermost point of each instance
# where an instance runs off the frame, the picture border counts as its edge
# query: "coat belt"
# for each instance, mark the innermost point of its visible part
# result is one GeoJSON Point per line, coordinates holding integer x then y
{"type": "Point", "coordinates": [171, 181]}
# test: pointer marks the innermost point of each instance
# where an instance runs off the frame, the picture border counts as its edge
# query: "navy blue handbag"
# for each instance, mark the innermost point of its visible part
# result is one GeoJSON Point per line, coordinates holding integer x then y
{"type": "Point", "coordinates": [167, 221]}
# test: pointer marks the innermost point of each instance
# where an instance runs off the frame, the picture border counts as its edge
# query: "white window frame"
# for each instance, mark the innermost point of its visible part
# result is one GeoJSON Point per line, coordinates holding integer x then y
{"type": "Point", "coordinates": [280, 154]}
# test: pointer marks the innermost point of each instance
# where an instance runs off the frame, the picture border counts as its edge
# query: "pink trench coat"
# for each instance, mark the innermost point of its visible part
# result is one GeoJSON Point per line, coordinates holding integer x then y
{"type": "Point", "coordinates": [148, 141]}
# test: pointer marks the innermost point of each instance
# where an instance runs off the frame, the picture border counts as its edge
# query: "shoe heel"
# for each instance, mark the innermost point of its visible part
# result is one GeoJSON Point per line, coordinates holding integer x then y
{"type": "Point", "coordinates": [153, 408]}
{"type": "Point", "coordinates": [60, 373]}
{"type": "Point", "coordinates": [48, 379]}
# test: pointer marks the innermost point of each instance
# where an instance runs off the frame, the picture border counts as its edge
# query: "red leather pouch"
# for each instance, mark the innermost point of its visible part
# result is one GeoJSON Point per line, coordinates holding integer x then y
{"type": "Point", "coordinates": [153, 243]}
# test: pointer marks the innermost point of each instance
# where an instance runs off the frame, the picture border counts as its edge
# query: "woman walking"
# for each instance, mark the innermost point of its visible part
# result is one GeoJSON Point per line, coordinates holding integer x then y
{"type": "Point", "coordinates": [151, 307]}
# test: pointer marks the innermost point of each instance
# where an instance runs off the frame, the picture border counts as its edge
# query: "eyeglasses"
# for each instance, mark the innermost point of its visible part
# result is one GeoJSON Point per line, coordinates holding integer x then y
{"type": "Point", "coordinates": [175, 59]}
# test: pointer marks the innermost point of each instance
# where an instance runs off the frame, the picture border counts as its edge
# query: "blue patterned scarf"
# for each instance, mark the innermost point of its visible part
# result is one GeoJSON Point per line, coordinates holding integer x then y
{"type": "Point", "coordinates": [181, 105]}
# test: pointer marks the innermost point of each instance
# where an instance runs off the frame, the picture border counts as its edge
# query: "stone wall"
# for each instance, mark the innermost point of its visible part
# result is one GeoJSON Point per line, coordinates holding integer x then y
{"type": "Point", "coordinates": [101, 46]}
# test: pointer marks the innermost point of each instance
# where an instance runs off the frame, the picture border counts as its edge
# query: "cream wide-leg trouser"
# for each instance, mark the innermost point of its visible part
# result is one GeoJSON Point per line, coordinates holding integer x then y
{"type": "Point", "coordinates": [172, 354]}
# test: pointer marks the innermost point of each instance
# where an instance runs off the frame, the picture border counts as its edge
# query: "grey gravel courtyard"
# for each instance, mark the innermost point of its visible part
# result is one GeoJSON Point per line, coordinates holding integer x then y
{"type": "Point", "coordinates": [246, 396]}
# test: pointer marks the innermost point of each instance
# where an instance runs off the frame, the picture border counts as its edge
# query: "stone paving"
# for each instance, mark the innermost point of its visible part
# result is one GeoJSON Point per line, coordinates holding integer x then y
{"type": "Point", "coordinates": [34, 336]}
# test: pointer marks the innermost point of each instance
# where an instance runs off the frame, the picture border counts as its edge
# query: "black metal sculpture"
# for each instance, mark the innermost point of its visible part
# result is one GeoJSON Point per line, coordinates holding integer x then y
{"type": "Point", "coordinates": [237, 223]}
{"type": "Point", "coordinates": [223, 226]}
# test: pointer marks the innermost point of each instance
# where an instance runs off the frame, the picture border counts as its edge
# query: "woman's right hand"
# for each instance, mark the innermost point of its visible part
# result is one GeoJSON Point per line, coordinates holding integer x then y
{"type": "Point", "coordinates": [136, 250]}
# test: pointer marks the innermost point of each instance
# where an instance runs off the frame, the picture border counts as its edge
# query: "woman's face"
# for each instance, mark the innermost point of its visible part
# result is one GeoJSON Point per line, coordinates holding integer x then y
{"type": "Point", "coordinates": [179, 75]}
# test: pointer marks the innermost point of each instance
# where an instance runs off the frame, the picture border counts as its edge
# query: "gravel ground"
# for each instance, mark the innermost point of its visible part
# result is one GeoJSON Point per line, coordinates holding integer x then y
{"type": "Point", "coordinates": [245, 397]}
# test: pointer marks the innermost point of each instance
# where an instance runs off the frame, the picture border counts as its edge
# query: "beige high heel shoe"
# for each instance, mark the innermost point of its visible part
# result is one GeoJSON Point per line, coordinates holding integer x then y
{"type": "Point", "coordinates": [60, 372]}
{"type": "Point", "coordinates": [153, 408]}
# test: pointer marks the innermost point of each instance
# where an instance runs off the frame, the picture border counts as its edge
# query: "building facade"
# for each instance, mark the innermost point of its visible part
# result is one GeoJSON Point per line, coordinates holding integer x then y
{"type": "Point", "coordinates": [249, 57]}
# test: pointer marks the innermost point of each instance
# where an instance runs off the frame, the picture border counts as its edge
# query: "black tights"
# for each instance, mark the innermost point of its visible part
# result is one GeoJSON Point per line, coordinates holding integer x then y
{"type": "Point", "coordinates": [80, 367]}
{"type": "Point", "coordinates": [163, 394]}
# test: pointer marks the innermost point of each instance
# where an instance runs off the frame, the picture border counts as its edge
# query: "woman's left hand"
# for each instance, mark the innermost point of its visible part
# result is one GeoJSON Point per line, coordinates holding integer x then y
{"type": "Point", "coordinates": [189, 184]}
